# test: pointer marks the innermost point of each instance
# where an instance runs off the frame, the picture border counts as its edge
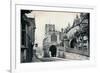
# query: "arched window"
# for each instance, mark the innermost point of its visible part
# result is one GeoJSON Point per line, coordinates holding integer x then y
{"type": "Point", "coordinates": [54, 37]}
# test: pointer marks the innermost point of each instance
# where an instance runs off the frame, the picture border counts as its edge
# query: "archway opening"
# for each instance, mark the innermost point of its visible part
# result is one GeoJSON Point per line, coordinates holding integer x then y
{"type": "Point", "coordinates": [73, 43]}
{"type": "Point", "coordinates": [53, 50]}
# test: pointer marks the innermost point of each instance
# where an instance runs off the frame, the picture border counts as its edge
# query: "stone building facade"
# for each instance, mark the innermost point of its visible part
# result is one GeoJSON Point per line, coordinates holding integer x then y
{"type": "Point", "coordinates": [27, 36]}
{"type": "Point", "coordinates": [78, 35]}
{"type": "Point", "coordinates": [52, 37]}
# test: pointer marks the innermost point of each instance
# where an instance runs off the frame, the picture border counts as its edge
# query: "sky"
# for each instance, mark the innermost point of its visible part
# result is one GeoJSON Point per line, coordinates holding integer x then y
{"type": "Point", "coordinates": [60, 19]}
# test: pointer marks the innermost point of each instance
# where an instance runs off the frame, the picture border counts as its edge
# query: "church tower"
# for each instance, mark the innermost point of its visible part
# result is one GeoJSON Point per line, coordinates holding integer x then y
{"type": "Point", "coordinates": [49, 28]}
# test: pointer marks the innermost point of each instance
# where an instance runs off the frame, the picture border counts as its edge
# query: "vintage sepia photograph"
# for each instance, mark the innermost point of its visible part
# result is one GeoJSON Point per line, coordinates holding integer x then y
{"type": "Point", "coordinates": [48, 36]}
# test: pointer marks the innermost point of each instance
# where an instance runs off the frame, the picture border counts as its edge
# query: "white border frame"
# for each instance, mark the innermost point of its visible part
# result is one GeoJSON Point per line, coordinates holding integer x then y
{"type": "Point", "coordinates": [15, 36]}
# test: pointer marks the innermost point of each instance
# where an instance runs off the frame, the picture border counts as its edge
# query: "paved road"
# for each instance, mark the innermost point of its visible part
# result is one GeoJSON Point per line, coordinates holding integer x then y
{"type": "Point", "coordinates": [73, 56]}
{"type": "Point", "coordinates": [53, 59]}
{"type": "Point", "coordinates": [68, 56]}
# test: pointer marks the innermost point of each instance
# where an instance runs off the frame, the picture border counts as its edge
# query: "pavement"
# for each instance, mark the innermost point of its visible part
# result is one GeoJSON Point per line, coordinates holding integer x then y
{"type": "Point", "coordinates": [74, 56]}
{"type": "Point", "coordinates": [68, 56]}
{"type": "Point", "coordinates": [52, 59]}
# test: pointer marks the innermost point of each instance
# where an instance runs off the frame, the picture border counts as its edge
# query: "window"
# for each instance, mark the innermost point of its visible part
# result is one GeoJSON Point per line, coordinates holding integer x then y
{"type": "Point", "coordinates": [53, 37]}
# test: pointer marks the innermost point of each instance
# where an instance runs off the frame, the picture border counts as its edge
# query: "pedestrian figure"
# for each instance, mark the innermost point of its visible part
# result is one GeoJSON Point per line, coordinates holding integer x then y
{"type": "Point", "coordinates": [35, 54]}
{"type": "Point", "coordinates": [38, 51]}
{"type": "Point", "coordinates": [53, 50]}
